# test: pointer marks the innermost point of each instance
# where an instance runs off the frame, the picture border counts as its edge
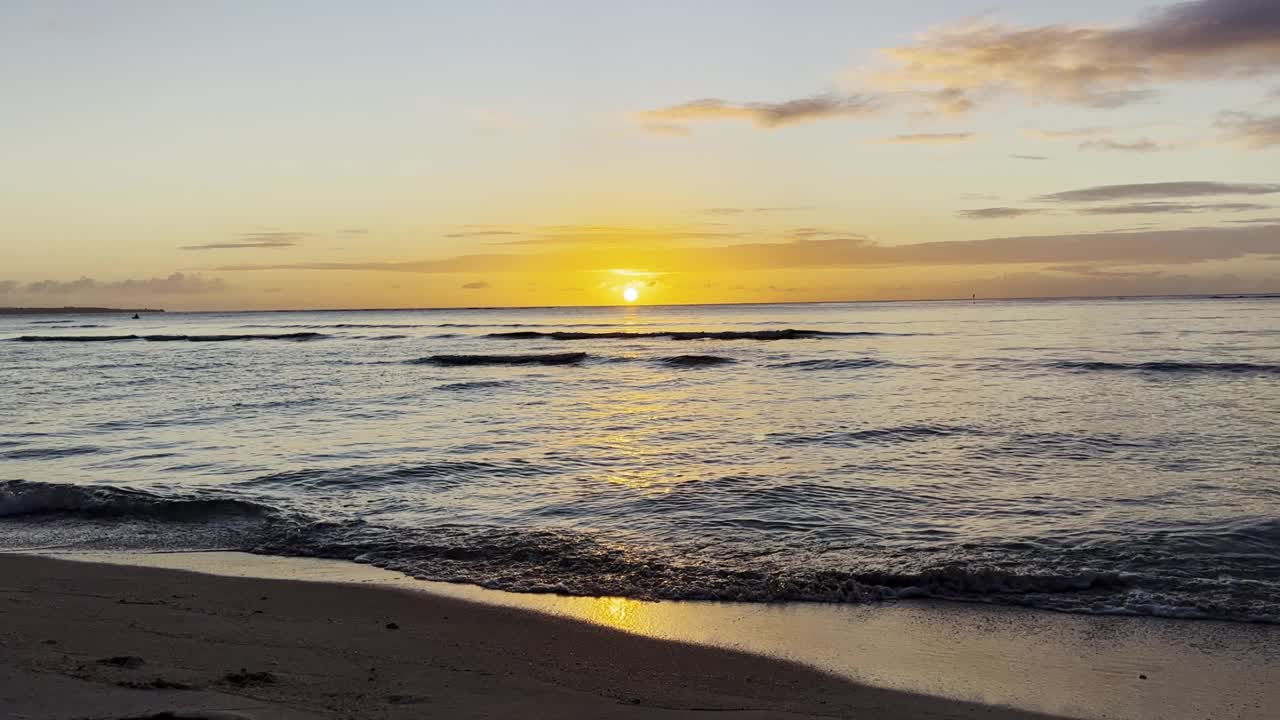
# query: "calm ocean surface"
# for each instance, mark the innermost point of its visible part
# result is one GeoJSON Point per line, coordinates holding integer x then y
{"type": "Point", "coordinates": [1118, 456]}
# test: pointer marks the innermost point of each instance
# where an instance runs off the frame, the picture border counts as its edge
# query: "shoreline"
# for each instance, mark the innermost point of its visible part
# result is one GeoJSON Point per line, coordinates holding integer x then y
{"type": "Point", "coordinates": [916, 658]}
{"type": "Point", "coordinates": [84, 639]}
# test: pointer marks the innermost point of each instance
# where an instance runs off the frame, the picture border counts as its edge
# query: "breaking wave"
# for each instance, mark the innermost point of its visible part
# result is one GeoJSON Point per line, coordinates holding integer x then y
{"type": "Point", "coordinates": [579, 563]}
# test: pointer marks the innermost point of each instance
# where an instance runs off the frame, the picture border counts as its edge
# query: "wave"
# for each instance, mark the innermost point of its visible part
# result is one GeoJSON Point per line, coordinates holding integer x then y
{"type": "Point", "coordinates": [835, 364]}
{"type": "Point", "coordinates": [47, 453]}
{"type": "Point", "coordinates": [467, 360]}
{"type": "Point", "coordinates": [296, 336]}
{"type": "Point", "coordinates": [473, 385]}
{"type": "Point", "coordinates": [697, 361]}
{"type": "Point", "coordinates": [904, 433]}
{"type": "Point", "coordinates": [574, 562]}
{"type": "Point", "coordinates": [785, 334]}
{"type": "Point", "coordinates": [28, 498]}
{"type": "Point", "coordinates": [1234, 368]}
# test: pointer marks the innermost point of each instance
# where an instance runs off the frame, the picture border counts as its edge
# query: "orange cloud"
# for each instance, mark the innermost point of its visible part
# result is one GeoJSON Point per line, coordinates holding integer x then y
{"type": "Point", "coordinates": [767, 115]}
{"type": "Point", "coordinates": [931, 138]}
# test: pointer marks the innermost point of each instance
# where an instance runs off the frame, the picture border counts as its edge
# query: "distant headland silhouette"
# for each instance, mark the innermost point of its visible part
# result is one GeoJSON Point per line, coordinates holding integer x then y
{"type": "Point", "coordinates": [72, 310]}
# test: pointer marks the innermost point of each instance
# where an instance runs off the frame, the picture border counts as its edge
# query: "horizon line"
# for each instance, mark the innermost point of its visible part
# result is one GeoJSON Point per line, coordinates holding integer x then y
{"type": "Point", "coordinates": [972, 299]}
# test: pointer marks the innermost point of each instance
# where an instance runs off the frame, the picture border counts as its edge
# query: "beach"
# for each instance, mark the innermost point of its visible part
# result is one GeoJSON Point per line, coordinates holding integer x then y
{"type": "Point", "coordinates": [107, 641]}
{"type": "Point", "coordinates": [99, 640]}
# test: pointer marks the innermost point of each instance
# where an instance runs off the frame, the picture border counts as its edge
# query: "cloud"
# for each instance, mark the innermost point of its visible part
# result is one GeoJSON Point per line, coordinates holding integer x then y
{"type": "Point", "coordinates": [483, 233]}
{"type": "Point", "coordinates": [1250, 131]}
{"type": "Point", "coordinates": [932, 138]}
{"type": "Point", "coordinates": [999, 213]}
{"type": "Point", "coordinates": [1143, 145]}
{"type": "Point", "coordinates": [950, 101]}
{"type": "Point", "coordinates": [354, 231]}
{"type": "Point", "coordinates": [611, 235]}
{"type": "Point", "coordinates": [662, 128]}
{"type": "Point", "coordinates": [1257, 221]}
{"type": "Point", "coordinates": [765, 115]}
{"type": "Point", "coordinates": [253, 240]}
{"type": "Point", "coordinates": [1073, 134]}
{"type": "Point", "coordinates": [1029, 157]}
{"type": "Point", "coordinates": [1139, 191]}
{"type": "Point", "coordinates": [1147, 208]}
{"type": "Point", "coordinates": [1147, 247]}
{"type": "Point", "coordinates": [811, 233]}
{"type": "Point", "coordinates": [1091, 65]}
{"type": "Point", "coordinates": [475, 286]}
{"type": "Point", "coordinates": [174, 284]}
{"type": "Point", "coordinates": [8, 286]}
{"type": "Point", "coordinates": [1096, 272]}
{"type": "Point", "coordinates": [749, 210]}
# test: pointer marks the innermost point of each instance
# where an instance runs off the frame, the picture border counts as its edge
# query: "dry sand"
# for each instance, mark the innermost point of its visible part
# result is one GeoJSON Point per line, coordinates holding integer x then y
{"type": "Point", "coordinates": [81, 640]}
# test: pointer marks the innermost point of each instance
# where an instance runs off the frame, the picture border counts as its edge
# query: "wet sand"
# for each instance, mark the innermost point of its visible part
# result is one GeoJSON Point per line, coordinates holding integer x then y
{"type": "Point", "coordinates": [111, 641]}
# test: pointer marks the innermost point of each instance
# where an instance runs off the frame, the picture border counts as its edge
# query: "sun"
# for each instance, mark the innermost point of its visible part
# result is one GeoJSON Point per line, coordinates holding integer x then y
{"type": "Point", "coordinates": [631, 294]}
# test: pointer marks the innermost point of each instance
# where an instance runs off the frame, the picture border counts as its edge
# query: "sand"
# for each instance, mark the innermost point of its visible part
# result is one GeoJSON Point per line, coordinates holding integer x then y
{"type": "Point", "coordinates": [85, 640]}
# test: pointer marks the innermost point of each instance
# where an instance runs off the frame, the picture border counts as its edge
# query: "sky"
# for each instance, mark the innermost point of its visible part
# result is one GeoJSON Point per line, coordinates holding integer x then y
{"type": "Point", "coordinates": [213, 155]}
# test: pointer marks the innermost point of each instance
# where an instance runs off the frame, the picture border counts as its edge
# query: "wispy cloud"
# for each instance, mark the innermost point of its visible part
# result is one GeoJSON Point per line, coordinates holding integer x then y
{"type": "Point", "coordinates": [1029, 157]}
{"type": "Point", "coordinates": [766, 115]}
{"type": "Point", "coordinates": [594, 234]}
{"type": "Point", "coordinates": [1172, 208]}
{"type": "Point", "coordinates": [253, 240]}
{"type": "Point", "coordinates": [999, 213]}
{"type": "Point", "coordinates": [813, 233]}
{"type": "Point", "coordinates": [1090, 65]}
{"type": "Point", "coordinates": [666, 128]}
{"type": "Point", "coordinates": [1096, 272]}
{"type": "Point", "coordinates": [478, 285]}
{"type": "Point", "coordinates": [1071, 134]}
{"type": "Point", "coordinates": [748, 210]}
{"type": "Point", "coordinates": [484, 233]}
{"type": "Point", "coordinates": [1141, 191]}
{"type": "Point", "coordinates": [931, 138]}
{"type": "Point", "coordinates": [1143, 145]}
{"type": "Point", "coordinates": [1249, 130]}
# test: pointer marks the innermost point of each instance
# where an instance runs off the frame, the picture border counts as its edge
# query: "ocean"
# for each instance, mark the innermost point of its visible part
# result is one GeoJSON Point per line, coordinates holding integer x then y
{"type": "Point", "coordinates": [1116, 456]}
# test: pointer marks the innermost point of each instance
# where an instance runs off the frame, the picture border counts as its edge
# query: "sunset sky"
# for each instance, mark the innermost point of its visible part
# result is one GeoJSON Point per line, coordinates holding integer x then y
{"type": "Point", "coordinates": [207, 155]}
